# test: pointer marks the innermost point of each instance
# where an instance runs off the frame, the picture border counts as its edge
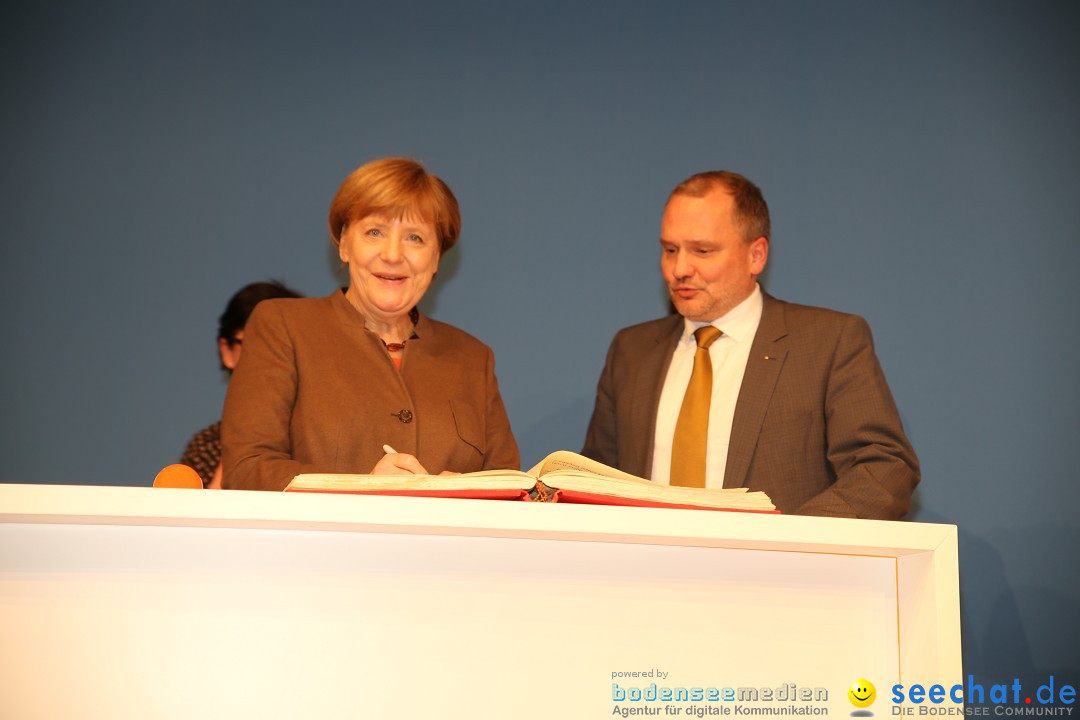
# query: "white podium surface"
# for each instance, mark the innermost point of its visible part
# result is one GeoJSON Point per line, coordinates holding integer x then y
{"type": "Point", "coordinates": [156, 603]}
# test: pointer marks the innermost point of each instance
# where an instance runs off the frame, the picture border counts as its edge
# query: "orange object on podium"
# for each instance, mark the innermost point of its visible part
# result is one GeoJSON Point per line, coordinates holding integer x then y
{"type": "Point", "coordinates": [178, 476]}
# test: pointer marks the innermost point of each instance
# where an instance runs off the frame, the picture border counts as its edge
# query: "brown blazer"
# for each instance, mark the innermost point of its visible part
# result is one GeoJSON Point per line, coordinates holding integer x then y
{"type": "Point", "coordinates": [315, 391]}
{"type": "Point", "coordinates": [815, 425]}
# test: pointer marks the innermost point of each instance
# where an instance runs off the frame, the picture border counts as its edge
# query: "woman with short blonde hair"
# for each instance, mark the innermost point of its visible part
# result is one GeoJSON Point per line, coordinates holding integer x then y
{"type": "Point", "coordinates": [328, 384]}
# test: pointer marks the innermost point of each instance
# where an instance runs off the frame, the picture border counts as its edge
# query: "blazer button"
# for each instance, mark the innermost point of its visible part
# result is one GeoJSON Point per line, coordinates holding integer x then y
{"type": "Point", "coordinates": [405, 416]}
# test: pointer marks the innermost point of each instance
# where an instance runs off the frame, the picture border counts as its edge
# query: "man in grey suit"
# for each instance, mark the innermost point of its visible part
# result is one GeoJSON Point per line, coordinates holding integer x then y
{"type": "Point", "coordinates": [796, 404]}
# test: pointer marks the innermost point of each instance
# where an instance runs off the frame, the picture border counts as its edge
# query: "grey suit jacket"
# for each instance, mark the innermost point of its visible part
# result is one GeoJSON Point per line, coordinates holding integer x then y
{"type": "Point", "coordinates": [815, 425]}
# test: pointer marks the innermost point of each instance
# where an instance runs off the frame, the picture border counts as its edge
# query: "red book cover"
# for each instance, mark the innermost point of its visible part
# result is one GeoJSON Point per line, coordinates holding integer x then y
{"type": "Point", "coordinates": [468, 493]}
{"type": "Point", "coordinates": [588, 498]}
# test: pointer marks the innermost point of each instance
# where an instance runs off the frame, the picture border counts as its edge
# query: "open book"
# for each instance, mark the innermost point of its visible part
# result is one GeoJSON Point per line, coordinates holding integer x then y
{"type": "Point", "coordinates": [562, 476]}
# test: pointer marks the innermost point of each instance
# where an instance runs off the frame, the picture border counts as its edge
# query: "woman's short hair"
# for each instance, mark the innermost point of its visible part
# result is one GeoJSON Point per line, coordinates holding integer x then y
{"type": "Point", "coordinates": [244, 301]}
{"type": "Point", "coordinates": [396, 187]}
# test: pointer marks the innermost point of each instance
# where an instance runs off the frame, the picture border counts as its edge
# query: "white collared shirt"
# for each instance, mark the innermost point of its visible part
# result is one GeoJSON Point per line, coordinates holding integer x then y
{"type": "Point", "coordinates": [729, 355]}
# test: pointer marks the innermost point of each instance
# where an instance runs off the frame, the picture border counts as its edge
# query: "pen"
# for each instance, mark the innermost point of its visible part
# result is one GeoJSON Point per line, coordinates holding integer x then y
{"type": "Point", "coordinates": [389, 450]}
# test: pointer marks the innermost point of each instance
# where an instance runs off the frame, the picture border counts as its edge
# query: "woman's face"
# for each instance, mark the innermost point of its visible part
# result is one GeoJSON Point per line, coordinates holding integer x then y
{"type": "Point", "coordinates": [391, 263]}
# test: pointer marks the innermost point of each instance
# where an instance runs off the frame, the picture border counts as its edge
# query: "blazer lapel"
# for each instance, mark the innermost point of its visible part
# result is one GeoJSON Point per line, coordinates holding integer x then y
{"type": "Point", "coordinates": [767, 354]}
{"type": "Point", "coordinates": [648, 383]}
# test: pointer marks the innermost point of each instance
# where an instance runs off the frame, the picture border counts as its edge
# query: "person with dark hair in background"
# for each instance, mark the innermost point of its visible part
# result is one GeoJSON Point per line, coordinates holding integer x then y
{"type": "Point", "coordinates": [739, 389]}
{"type": "Point", "coordinates": [362, 381]}
{"type": "Point", "coordinates": [203, 452]}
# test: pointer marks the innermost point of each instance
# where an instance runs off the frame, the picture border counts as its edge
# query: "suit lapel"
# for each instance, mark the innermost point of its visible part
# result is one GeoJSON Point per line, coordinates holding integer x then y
{"type": "Point", "coordinates": [648, 383]}
{"type": "Point", "coordinates": [767, 355]}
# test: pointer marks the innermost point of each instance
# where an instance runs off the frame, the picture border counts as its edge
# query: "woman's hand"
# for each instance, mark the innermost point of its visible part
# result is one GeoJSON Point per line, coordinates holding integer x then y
{"type": "Point", "coordinates": [215, 481]}
{"type": "Point", "coordinates": [398, 464]}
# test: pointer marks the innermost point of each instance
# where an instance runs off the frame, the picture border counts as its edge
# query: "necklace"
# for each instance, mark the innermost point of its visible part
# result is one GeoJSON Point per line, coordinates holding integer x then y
{"type": "Point", "coordinates": [394, 347]}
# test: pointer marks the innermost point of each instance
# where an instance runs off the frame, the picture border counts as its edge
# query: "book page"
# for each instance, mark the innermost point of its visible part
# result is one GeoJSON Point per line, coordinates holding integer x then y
{"type": "Point", "coordinates": [581, 479]}
{"type": "Point", "coordinates": [331, 482]}
{"type": "Point", "coordinates": [566, 460]}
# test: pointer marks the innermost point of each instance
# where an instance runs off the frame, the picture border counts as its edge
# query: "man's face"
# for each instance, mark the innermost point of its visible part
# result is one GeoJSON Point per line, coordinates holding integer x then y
{"type": "Point", "coordinates": [708, 267]}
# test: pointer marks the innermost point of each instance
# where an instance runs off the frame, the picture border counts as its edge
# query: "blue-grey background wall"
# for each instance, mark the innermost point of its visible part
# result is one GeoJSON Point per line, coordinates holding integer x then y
{"type": "Point", "coordinates": [920, 160]}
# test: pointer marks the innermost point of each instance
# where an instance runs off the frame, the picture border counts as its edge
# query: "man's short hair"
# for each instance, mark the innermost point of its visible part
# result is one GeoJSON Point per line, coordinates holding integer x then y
{"type": "Point", "coordinates": [750, 209]}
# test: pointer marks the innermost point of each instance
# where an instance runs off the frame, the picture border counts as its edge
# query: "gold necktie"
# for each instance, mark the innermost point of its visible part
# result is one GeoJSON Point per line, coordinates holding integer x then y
{"type": "Point", "coordinates": [692, 429]}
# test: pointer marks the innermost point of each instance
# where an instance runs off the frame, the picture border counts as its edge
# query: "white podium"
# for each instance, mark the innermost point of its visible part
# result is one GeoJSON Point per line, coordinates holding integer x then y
{"type": "Point", "coordinates": [121, 603]}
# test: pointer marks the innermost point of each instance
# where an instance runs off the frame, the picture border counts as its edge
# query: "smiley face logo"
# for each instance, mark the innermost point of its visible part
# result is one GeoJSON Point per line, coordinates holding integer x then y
{"type": "Point", "coordinates": [862, 693]}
